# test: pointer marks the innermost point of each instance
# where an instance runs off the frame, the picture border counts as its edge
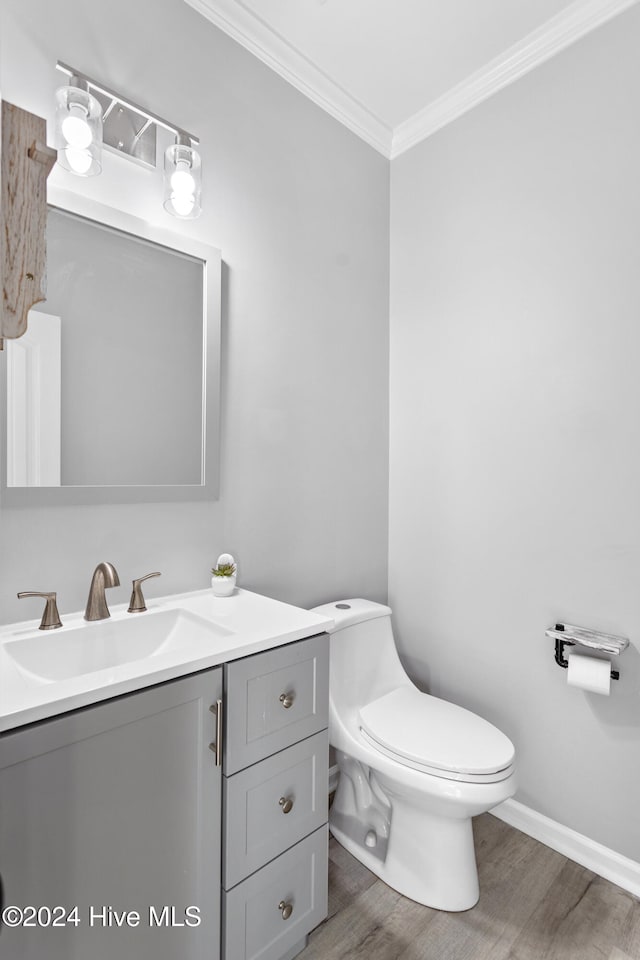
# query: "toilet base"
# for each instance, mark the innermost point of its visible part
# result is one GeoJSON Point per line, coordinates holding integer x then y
{"type": "Point", "coordinates": [453, 887]}
{"type": "Point", "coordinates": [425, 856]}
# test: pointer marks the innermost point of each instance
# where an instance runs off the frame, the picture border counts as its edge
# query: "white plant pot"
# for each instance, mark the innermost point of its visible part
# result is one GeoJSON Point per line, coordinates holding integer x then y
{"type": "Point", "coordinates": [223, 586]}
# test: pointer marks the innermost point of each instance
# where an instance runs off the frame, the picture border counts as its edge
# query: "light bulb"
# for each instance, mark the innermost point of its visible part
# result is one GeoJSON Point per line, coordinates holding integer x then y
{"type": "Point", "coordinates": [183, 204]}
{"type": "Point", "coordinates": [79, 160]}
{"type": "Point", "coordinates": [183, 189]}
{"type": "Point", "coordinates": [78, 130]}
{"type": "Point", "coordinates": [75, 128]}
{"type": "Point", "coordinates": [182, 180]}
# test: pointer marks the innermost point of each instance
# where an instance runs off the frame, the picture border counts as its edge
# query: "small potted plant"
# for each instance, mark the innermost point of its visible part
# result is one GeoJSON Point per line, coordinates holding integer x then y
{"type": "Point", "coordinates": [223, 580]}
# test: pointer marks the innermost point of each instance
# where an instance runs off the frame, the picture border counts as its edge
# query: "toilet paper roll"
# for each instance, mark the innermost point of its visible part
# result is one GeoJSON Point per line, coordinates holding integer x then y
{"type": "Point", "coordinates": [589, 673]}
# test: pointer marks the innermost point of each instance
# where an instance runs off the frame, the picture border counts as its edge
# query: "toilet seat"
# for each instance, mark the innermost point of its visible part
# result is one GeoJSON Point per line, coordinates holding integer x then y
{"type": "Point", "coordinates": [436, 737]}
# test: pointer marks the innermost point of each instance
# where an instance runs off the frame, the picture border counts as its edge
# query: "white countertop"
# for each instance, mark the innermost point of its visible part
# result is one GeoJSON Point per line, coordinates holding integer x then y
{"type": "Point", "coordinates": [241, 624]}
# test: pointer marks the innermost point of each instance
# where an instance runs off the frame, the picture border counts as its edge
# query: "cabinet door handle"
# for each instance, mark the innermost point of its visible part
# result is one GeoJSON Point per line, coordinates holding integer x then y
{"type": "Point", "coordinates": [286, 909]}
{"type": "Point", "coordinates": [217, 746]}
{"type": "Point", "coordinates": [286, 803]}
{"type": "Point", "coordinates": [286, 699]}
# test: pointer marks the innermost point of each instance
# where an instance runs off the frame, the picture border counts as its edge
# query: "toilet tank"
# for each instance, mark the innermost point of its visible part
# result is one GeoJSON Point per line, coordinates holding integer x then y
{"type": "Point", "coordinates": [364, 662]}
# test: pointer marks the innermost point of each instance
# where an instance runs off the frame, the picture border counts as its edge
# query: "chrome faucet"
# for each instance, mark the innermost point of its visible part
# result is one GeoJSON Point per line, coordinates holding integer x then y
{"type": "Point", "coordinates": [104, 575]}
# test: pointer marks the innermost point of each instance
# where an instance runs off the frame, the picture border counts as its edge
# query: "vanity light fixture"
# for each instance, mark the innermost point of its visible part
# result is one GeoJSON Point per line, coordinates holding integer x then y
{"type": "Point", "coordinates": [89, 115]}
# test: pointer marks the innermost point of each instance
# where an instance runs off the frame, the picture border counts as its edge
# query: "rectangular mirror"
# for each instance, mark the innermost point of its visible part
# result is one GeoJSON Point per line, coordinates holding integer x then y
{"type": "Point", "coordinates": [112, 394]}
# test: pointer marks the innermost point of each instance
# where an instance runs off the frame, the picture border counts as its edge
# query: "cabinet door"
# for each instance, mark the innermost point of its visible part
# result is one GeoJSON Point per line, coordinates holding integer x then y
{"type": "Point", "coordinates": [116, 808]}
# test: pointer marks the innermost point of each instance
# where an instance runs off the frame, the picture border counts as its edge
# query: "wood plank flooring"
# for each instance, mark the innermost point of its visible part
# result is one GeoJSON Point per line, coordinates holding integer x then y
{"type": "Point", "coordinates": [534, 904]}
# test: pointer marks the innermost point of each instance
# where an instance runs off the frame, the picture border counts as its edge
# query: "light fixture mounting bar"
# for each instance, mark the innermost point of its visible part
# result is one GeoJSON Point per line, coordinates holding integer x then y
{"type": "Point", "coordinates": [129, 104]}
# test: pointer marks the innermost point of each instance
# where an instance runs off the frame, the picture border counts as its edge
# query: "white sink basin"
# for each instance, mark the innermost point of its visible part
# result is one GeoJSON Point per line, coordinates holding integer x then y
{"type": "Point", "coordinates": [57, 655]}
{"type": "Point", "coordinates": [45, 673]}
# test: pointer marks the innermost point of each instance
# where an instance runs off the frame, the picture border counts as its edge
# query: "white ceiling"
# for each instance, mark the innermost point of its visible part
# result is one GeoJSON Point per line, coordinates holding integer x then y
{"type": "Point", "coordinates": [395, 71]}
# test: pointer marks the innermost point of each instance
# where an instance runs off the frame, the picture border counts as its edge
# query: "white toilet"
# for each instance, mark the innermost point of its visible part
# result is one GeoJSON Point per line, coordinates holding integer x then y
{"type": "Point", "coordinates": [414, 769]}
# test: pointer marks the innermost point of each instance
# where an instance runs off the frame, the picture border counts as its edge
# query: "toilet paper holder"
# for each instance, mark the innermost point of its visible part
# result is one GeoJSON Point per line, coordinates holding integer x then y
{"type": "Point", "coordinates": [566, 634]}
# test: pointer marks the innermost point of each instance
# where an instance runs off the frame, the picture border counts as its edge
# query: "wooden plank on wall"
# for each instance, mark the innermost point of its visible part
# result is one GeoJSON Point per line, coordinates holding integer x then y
{"type": "Point", "coordinates": [25, 166]}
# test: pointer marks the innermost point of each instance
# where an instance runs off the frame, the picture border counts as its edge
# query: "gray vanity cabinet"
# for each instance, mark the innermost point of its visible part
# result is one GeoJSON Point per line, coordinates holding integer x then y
{"type": "Point", "coordinates": [120, 810]}
{"type": "Point", "coordinates": [275, 800]}
{"type": "Point", "coordinates": [116, 808]}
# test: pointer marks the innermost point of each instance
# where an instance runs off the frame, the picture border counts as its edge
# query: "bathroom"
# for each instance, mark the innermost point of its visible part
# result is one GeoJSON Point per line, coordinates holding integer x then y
{"type": "Point", "coordinates": [428, 380]}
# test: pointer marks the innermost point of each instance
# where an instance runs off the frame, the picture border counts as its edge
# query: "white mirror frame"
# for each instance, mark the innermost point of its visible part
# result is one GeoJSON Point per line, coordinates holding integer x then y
{"type": "Point", "coordinates": [82, 495]}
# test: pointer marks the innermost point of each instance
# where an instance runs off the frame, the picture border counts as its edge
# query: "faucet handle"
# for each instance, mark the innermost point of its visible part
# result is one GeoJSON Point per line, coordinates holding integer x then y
{"type": "Point", "coordinates": [50, 617]}
{"type": "Point", "coordinates": [136, 603]}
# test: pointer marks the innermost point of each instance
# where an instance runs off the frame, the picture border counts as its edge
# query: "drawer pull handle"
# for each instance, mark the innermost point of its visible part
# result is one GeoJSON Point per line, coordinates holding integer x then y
{"type": "Point", "coordinates": [286, 909]}
{"type": "Point", "coordinates": [217, 746]}
{"type": "Point", "coordinates": [286, 699]}
{"type": "Point", "coordinates": [286, 803]}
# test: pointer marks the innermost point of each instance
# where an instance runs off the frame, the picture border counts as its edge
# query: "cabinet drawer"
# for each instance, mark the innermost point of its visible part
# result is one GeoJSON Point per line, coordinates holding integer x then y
{"type": "Point", "coordinates": [255, 927]}
{"type": "Point", "coordinates": [273, 804]}
{"type": "Point", "coordinates": [274, 699]}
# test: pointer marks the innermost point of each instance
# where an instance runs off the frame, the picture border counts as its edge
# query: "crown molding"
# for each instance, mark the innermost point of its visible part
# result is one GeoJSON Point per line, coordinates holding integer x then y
{"type": "Point", "coordinates": [568, 26]}
{"type": "Point", "coordinates": [254, 35]}
{"type": "Point", "coordinates": [577, 20]}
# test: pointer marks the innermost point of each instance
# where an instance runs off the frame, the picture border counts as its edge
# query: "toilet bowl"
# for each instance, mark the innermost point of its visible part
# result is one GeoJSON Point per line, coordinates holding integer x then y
{"type": "Point", "coordinates": [414, 769]}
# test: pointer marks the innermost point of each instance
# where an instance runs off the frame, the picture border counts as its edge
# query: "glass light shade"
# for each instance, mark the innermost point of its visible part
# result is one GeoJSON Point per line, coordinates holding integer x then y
{"type": "Point", "coordinates": [182, 180]}
{"type": "Point", "coordinates": [78, 133]}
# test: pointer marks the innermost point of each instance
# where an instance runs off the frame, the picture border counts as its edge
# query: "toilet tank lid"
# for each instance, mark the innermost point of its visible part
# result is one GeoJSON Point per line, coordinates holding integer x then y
{"type": "Point", "coordinates": [345, 613]}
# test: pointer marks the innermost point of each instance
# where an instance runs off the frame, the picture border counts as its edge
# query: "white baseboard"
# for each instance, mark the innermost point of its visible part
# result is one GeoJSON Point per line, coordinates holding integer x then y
{"type": "Point", "coordinates": [594, 856]}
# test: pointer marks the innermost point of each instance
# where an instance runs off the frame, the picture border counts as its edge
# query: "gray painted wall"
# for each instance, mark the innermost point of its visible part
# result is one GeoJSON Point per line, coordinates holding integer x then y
{"type": "Point", "coordinates": [515, 400]}
{"type": "Point", "coordinates": [299, 207]}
